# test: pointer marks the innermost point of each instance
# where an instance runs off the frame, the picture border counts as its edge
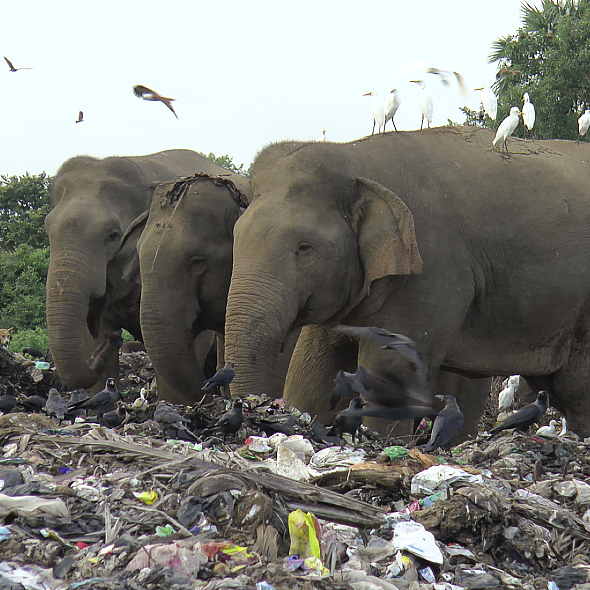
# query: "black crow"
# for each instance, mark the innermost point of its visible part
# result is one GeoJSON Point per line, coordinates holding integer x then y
{"type": "Point", "coordinates": [172, 422]}
{"type": "Point", "coordinates": [348, 421]}
{"type": "Point", "coordinates": [8, 400]}
{"type": "Point", "coordinates": [228, 423]}
{"type": "Point", "coordinates": [447, 425]}
{"type": "Point", "coordinates": [56, 405]}
{"type": "Point", "coordinates": [222, 378]}
{"type": "Point", "coordinates": [526, 416]}
{"type": "Point", "coordinates": [100, 401]}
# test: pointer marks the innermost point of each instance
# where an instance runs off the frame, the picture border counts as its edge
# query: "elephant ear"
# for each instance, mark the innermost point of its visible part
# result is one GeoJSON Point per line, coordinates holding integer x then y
{"type": "Point", "coordinates": [385, 231]}
{"type": "Point", "coordinates": [127, 254]}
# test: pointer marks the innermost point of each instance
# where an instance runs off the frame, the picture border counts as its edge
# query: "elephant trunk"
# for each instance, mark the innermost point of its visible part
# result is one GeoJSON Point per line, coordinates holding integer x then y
{"type": "Point", "coordinates": [259, 315]}
{"type": "Point", "coordinates": [68, 302]}
{"type": "Point", "coordinates": [169, 340]}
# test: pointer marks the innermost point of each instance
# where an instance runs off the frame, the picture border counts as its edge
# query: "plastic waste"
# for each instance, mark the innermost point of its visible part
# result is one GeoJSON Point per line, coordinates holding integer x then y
{"type": "Point", "coordinates": [395, 452]}
{"type": "Point", "coordinates": [304, 532]}
{"type": "Point", "coordinates": [24, 505]}
{"type": "Point", "coordinates": [41, 365]}
{"type": "Point", "coordinates": [264, 585]}
{"type": "Point", "coordinates": [439, 477]}
{"type": "Point", "coordinates": [165, 531]}
{"type": "Point", "coordinates": [148, 498]}
{"type": "Point", "coordinates": [413, 537]}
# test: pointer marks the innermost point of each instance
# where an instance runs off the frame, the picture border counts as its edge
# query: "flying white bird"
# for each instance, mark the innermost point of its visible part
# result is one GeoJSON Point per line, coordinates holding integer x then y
{"type": "Point", "coordinates": [445, 76]}
{"type": "Point", "coordinates": [507, 127]}
{"type": "Point", "coordinates": [489, 102]}
{"type": "Point", "coordinates": [391, 105]}
{"type": "Point", "coordinates": [323, 135]}
{"type": "Point", "coordinates": [377, 111]}
{"type": "Point", "coordinates": [528, 112]}
{"type": "Point", "coordinates": [583, 123]}
{"type": "Point", "coordinates": [548, 431]}
{"type": "Point", "coordinates": [425, 101]}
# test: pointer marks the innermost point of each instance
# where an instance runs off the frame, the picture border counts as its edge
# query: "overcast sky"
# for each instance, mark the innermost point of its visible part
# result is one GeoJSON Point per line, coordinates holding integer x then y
{"type": "Point", "coordinates": [243, 72]}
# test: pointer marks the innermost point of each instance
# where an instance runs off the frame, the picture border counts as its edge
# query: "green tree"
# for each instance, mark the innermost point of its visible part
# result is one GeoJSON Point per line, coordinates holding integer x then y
{"type": "Point", "coordinates": [548, 57]}
{"type": "Point", "coordinates": [24, 203]}
{"type": "Point", "coordinates": [228, 163]}
{"type": "Point", "coordinates": [22, 287]}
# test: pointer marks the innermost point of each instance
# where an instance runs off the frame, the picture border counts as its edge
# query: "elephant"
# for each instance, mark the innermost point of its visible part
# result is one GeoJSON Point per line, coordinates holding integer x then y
{"type": "Point", "coordinates": [185, 257]}
{"type": "Point", "coordinates": [483, 262]}
{"type": "Point", "coordinates": [90, 292]}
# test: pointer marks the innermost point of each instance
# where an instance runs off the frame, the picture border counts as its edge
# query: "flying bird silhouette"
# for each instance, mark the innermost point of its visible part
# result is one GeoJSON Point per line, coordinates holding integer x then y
{"type": "Point", "coordinates": [80, 117]}
{"type": "Point", "coordinates": [148, 94]}
{"type": "Point", "coordinates": [12, 68]}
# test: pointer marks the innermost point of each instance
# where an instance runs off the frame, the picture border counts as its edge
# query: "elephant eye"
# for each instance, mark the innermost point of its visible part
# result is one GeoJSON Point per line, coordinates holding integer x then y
{"type": "Point", "coordinates": [304, 248]}
{"type": "Point", "coordinates": [113, 236]}
{"type": "Point", "coordinates": [197, 265]}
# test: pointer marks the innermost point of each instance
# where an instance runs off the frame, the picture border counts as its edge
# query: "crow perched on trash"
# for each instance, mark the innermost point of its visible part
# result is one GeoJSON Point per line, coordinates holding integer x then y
{"type": "Point", "coordinates": [526, 416]}
{"type": "Point", "coordinates": [56, 405]}
{"type": "Point", "coordinates": [447, 425]}
{"type": "Point", "coordinates": [8, 400]}
{"type": "Point", "coordinates": [172, 422]}
{"type": "Point", "coordinates": [228, 423]}
{"type": "Point", "coordinates": [34, 403]}
{"type": "Point", "coordinates": [348, 421]}
{"type": "Point", "coordinates": [222, 378]}
{"type": "Point", "coordinates": [115, 417]}
{"type": "Point", "coordinates": [34, 352]}
{"type": "Point", "coordinates": [100, 401]}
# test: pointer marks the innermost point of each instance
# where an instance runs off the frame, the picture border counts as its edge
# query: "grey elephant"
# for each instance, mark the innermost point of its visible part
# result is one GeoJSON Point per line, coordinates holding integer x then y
{"type": "Point", "coordinates": [185, 255]}
{"type": "Point", "coordinates": [89, 297]}
{"type": "Point", "coordinates": [482, 262]}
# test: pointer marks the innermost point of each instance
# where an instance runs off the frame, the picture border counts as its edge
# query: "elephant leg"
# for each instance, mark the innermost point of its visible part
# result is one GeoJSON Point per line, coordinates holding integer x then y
{"type": "Point", "coordinates": [318, 355]}
{"type": "Point", "coordinates": [472, 396]}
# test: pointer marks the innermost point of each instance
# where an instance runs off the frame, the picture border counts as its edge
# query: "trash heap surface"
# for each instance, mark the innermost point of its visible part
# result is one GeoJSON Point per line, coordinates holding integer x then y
{"type": "Point", "coordinates": [280, 505]}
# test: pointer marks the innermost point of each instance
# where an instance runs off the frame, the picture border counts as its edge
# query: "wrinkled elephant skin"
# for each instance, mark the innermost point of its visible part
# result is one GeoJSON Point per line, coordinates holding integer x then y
{"type": "Point", "coordinates": [483, 262]}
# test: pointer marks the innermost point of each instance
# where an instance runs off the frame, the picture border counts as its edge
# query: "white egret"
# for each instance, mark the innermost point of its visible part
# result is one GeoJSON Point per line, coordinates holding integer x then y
{"type": "Point", "coordinates": [563, 427]}
{"type": "Point", "coordinates": [323, 136]}
{"type": "Point", "coordinates": [507, 127]}
{"type": "Point", "coordinates": [528, 112]}
{"type": "Point", "coordinates": [391, 105]}
{"type": "Point", "coordinates": [489, 102]}
{"type": "Point", "coordinates": [425, 101]}
{"type": "Point", "coordinates": [506, 396]}
{"type": "Point", "coordinates": [377, 111]}
{"type": "Point", "coordinates": [548, 431]}
{"type": "Point", "coordinates": [583, 123]}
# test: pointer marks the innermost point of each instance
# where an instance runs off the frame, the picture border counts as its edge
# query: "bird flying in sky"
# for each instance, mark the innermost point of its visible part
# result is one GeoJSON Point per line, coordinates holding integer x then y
{"type": "Point", "coordinates": [80, 117]}
{"type": "Point", "coordinates": [12, 68]}
{"type": "Point", "coordinates": [148, 94]}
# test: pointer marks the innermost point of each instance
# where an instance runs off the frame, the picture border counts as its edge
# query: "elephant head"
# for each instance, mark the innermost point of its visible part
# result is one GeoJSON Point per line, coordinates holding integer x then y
{"type": "Point", "coordinates": [307, 251]}
{"type": "Point", "coordinates": [94, 201]}
{"type": "Point", "coordinates": [185, 254]}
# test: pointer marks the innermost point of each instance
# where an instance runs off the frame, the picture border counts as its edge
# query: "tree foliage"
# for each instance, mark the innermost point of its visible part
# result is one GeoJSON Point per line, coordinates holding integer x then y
{"type": "Point", "coordinates": [24, 203]}
{"type": "Point", "coordinates": [228, 163]}
{"type": "Point", "coordinates": [548, 57]}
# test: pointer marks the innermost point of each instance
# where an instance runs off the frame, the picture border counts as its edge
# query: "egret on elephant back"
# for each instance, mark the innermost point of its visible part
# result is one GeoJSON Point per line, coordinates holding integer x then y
{"type": "Point", "coordinates": [407, 232]}
{"type": "Point", "coordinates": [425, 102]}
{"type": "Point", "coordinates": [507, 128]}
{"type": "Point", "coordinates": [583, 123]}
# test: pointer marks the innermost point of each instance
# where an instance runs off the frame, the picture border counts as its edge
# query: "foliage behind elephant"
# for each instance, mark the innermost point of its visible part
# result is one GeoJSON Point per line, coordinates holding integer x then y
{"type": "Point", "coordinates": [94, 202]}
{"type": "Point", "coordinates": [482, 262]}
{"type": "Point", "coordinates": [185, 254]}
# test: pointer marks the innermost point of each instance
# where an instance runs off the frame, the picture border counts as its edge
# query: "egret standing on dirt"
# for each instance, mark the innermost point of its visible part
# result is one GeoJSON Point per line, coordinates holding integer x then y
{"type": "Point", "coordinates": [391, 105]}
{"type": "Point", "coordinates": [425, 101]}
{"type": "Point", "coordinates": [583, 123]}
{"type": "Point", "coordinates": [507, 127]}
{"type": "Point", "coordinates": [489, 102]}
{"type": "Point", "coordinates": [377, 111]}
{"type": "Point", "coordinates": [528, 112]}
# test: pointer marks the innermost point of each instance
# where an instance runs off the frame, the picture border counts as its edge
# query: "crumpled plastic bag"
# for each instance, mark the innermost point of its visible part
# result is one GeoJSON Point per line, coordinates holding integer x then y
{"type": "Point", "coordinates": [440, 477]}
{"type": "Point", "coordinates": [411, 536]}
{"type": "Point", "coordinates": [24, 505]}
{"type": "Point", "coordinates": [334, 459]}
{"type": "Point", "coordinates": [304, 532]}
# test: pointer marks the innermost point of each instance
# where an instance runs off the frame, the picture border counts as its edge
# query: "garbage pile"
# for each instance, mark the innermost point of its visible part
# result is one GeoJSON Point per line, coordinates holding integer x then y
{"type": "Point", "coordinates": [155, 503]}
